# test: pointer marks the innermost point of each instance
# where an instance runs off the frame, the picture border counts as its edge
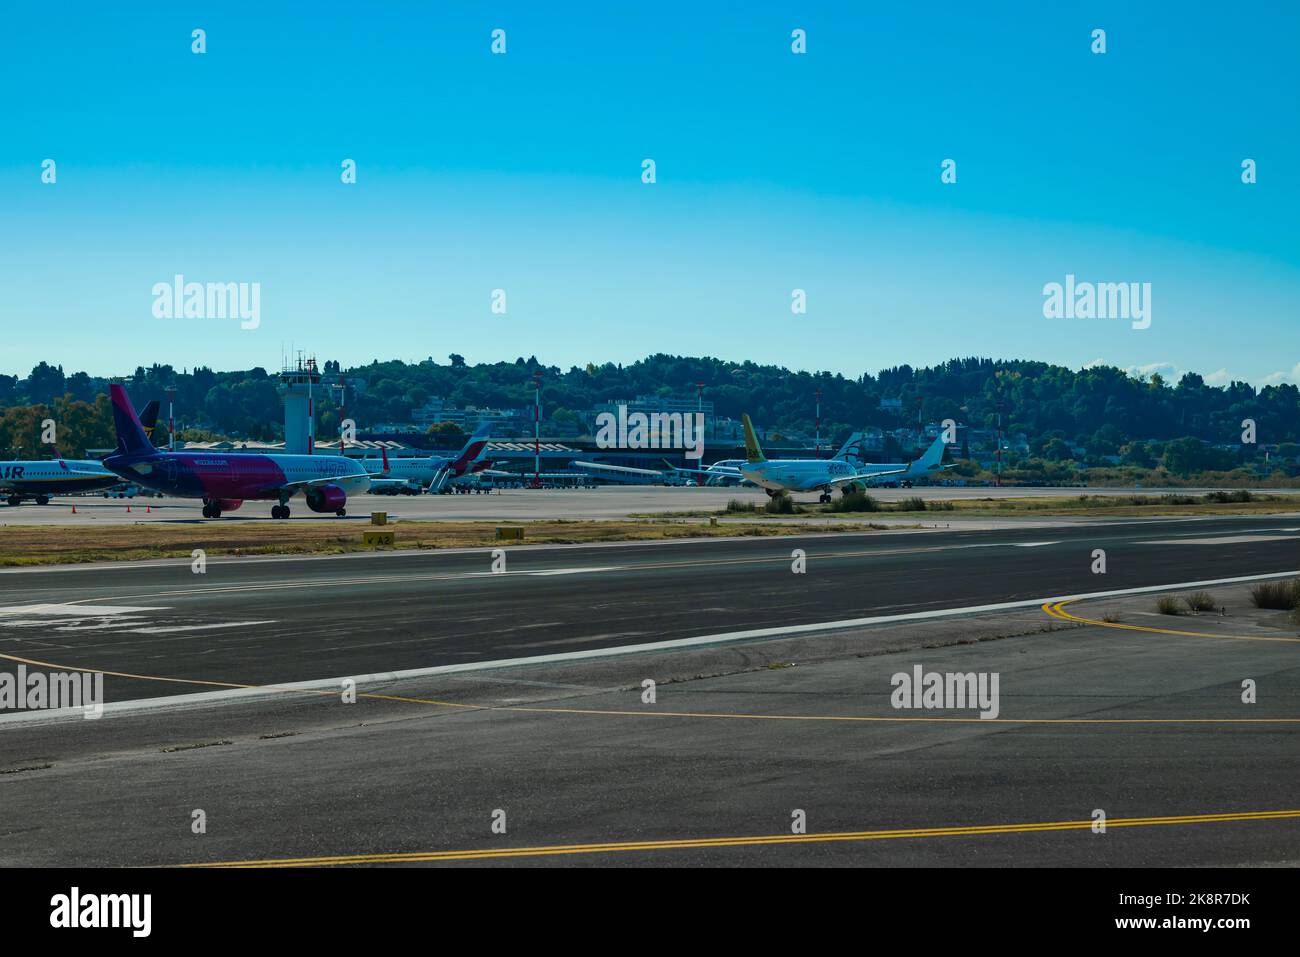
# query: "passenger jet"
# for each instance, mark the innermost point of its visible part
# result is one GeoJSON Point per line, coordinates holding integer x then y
{"type": "Point", "coordinates": [224, 481]}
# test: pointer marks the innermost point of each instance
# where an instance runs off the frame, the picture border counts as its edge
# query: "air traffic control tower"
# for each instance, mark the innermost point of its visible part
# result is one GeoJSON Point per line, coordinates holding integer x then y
{"type": "Point", "coordinates": [298, 388]}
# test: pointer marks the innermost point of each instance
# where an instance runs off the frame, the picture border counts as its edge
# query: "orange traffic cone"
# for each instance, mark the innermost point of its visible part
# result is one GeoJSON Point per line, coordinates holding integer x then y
{"type": "Point", "coordinates": [128, 508]}
{"type": "Point", "coordinates": [74, 510]}
{"type": "Point", "coordinates": [148, 509]}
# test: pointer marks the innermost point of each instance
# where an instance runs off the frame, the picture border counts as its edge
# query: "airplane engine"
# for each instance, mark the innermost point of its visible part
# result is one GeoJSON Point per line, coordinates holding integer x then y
{"type": "Point", "coordinates": [326, 498]}
{"type": "Point", "coordinates": [230, 504]}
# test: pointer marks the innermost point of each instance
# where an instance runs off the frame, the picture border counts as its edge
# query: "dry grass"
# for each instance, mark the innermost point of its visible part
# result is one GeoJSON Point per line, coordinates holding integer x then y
{"type": "Point", "coordinates": [1168, 605]}
{"type": "Point", "coordinates": [1279, 595]}
{"type": "Point", "coordinates": [46, 544]}
{"type": "Point", "coordinates": [1105, 506]}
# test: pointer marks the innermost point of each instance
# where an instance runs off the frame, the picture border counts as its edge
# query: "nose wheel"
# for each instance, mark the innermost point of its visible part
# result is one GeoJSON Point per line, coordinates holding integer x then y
{"type": "Point", "coordinates": [825, 497]}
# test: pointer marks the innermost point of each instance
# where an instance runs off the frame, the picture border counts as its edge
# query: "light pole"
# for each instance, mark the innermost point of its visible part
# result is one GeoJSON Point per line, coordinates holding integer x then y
{"type": "Point", "coordinates": [537, 428]}
{"type": "Point", "coordinates": [999, 479]}
{"type": "Point", "coordinates": [818, 439]}
{"type": "Point", "coordinates": [171, 418]}
{"type": "Point", "coordinates": [342, 388]}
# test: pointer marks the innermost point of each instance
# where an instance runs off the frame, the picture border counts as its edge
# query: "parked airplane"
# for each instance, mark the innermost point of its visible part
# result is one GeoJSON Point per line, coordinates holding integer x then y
{"type": "Point", "coordinates": [429, 472]}
{"type": "Point", "coordinates": [224, 481]}
{"type": "Point", "coordinates": [38, 480]}
{"type": "Point", "coordinates": [805, 475]}
{"type": "Point", "coordinates": [802, 475]}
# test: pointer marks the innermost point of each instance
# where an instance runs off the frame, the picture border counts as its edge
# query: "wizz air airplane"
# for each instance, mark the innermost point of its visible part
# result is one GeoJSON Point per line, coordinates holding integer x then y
{"type": "Point", "coordinates": [427, 474]}
{"type": "Point", "coordinates": [224, 481]}
{"type": "Point", "coordinates": [824, 475]}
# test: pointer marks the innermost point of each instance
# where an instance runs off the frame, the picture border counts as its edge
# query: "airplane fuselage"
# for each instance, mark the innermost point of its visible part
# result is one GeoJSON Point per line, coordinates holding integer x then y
{"type": "Point", "coordinates": [237, 477]}
{"type": "Point", "coordinates": [53, 477]}
{"type": "Point", "coordinates": [796, 475]}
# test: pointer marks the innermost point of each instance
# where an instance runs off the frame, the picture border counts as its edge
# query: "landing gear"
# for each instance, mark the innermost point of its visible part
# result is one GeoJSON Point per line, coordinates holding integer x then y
{"type": "Point", "coordinates": [340, 513]}
{"type": "Point", "coordinates": [825, 497]}
{"type": "Point", "coordinates": [14, 500]}
{"type": "Point", "coordinates": [211, 510]}
{"type": "Point", "coordinates": [771, 493]}
{"type": "Point", "coordinates": [279, 511]}
{"type": "Point", "coordinates": [42, 500]}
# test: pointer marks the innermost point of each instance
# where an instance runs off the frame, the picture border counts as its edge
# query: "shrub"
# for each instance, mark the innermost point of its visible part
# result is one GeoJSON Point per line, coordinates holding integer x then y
{"type": "Point", "coordinates": [1282, 596]}
{"type": "Point", "coordinates": [1167, 605]}
{"type": "Point", "coordinates": [913, 504]}
{"type": "Point", "coordinates": [855, 501]}
{"type": "Point", "coordinates": [1223, 498]}
{"type": "Point", "coordinates": [740, 505]}
{"type": "Point", "coordinates": [1200, 601]}
{"type": "Point", "coordinates": [781, 504]}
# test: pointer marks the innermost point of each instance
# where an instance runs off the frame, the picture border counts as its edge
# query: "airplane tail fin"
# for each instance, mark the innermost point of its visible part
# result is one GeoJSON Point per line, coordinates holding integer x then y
{"type": "Point", "coordinates": [852, 447]}
{"type": "Point", "coordinates": [131, 437]}
{"type": "Point", "coordinates": [932, 457]}
{"type": "Point", "coordinates": [753, 451]}
{"type": "Point", "coordinates": [474, 448]}
{"type": "Point", "coordinates": [149, 417]}
{"type": "Point", "coordinates": [384, 449]}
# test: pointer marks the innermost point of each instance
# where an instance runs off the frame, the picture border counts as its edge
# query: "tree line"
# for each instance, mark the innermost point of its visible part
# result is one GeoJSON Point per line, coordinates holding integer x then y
{"type": "Point", "coordinates": [1102, 410]}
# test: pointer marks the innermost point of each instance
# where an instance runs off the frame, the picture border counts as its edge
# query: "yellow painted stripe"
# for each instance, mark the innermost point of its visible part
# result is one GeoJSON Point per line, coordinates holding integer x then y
{"type": "Point", "coordinates": [752, 841]}
{"type": "Point", "coordinates": [612, 712]}
{"type": "Point", "coordinates": [1057, 610]}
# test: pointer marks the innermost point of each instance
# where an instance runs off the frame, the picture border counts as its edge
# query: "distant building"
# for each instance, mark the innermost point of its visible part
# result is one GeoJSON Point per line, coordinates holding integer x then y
{"type": "Point", "coordinates": [503, 421]}
{"type": "Point", "coordinates": [655, 403]}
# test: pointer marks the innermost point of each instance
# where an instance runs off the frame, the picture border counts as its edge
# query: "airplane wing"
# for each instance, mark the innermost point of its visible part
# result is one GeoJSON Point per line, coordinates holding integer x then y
{"type": "Point", "coordinates": [715, 471]}
{"type": "Point", "coordinates": [622, 469]}
{"type": "Point", "coordinates": [304, 484]}
{"type": "Point", "coordinates": [864, 477]}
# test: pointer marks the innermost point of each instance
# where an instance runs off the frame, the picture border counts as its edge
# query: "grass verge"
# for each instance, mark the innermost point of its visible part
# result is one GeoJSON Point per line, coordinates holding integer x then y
{"type": "Point", "coordinates": [58, 544]}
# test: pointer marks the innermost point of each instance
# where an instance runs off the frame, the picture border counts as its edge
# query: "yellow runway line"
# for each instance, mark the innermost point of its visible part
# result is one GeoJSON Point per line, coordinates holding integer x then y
{"type": "Point", "coordinates": [1057, 610]}
{"type": "Point", "coordinates": [753, 841]}
{"type": "Point", "coordinates": [623, 713]}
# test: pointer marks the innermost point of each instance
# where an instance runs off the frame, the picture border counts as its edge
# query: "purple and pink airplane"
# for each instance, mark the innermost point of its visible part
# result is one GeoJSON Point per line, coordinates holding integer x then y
{"type": "Point", "coordinates": [226, 480]}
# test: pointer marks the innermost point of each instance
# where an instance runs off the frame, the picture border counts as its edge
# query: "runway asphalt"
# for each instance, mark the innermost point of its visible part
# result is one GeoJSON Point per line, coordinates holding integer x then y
{"type": "Point", "coordinates": [263, 621]}
{"type": "Point", "coordinates": [1141, 718]}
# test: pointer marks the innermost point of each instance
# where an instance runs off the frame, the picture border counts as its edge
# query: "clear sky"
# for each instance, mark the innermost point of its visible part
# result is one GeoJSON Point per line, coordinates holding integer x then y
{"type": "Point", "coordinates": [775, 171]}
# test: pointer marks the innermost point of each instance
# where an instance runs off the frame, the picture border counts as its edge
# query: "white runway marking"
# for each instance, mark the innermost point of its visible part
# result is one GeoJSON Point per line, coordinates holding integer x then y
{"type": "Point", "coordinates": [83, 611]}
{"type": "Point", "coordinates": [1222, 540]}
{"type": "Point", "coordinates": [176, 629]}
{"type": "Point", "coordinates": [573, 571]}
{"type": "Point", "coordinates": [1003, 545]}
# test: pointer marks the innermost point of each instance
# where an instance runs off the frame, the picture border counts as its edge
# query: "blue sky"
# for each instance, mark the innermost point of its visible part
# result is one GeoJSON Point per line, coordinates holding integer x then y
{"type": "Point", "coordinates": [775, 171]}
